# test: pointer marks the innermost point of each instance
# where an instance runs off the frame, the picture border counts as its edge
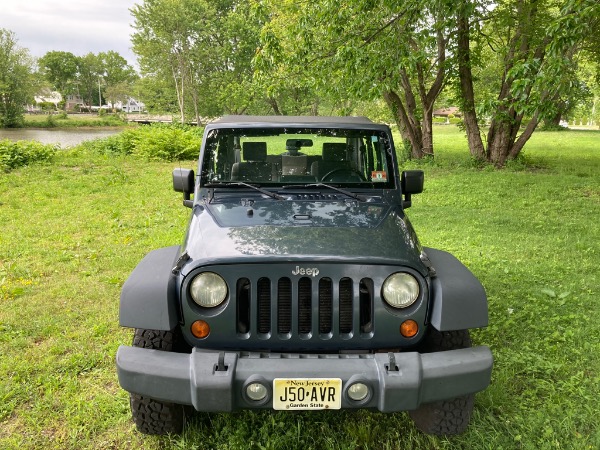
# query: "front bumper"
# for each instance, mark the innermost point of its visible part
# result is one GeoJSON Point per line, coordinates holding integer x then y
{"type": "Point", "coordinates": [215, 381]}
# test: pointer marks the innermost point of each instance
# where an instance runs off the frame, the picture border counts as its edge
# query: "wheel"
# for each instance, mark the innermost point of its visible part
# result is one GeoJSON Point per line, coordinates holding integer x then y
{"type": "Point", "coordinates": [444, 417]}
{"type": "Point", "coordinates": [154, 416]}
{"type": "Point", "coordinates": [350, 175]}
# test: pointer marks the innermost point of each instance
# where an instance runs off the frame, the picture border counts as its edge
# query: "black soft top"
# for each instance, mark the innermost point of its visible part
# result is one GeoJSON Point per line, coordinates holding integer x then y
{"type": "Point", "coordinates": [295, 122]}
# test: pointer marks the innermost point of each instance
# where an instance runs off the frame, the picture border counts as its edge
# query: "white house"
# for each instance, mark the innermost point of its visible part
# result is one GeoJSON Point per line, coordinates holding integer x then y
{"type": "Point", "coordinates": [47, 96]}
{"type": "Point", "coordinates": [133, 106]}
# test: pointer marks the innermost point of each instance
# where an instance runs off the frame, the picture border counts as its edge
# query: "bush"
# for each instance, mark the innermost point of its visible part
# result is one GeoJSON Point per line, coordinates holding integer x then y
{"type": "Point", "coordinates": [23, 153]}
{"type": "Point", "coordinates": [50, 121]}
{"type": "Point", "coordinates": [157, 142]}
{"type": "Point", "coordinates": [168, 143]}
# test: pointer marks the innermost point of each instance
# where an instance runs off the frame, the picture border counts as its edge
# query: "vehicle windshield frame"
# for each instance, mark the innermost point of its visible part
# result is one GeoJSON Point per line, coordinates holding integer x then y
{"type": "Point", "coordinates": [369, 154]}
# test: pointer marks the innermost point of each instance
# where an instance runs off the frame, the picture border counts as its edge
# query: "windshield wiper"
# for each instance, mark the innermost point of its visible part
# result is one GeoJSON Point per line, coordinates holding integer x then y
{"type": "Point", "coordinates": [241, 183]}
{"type": "Point", "coordinates": [358, 197]}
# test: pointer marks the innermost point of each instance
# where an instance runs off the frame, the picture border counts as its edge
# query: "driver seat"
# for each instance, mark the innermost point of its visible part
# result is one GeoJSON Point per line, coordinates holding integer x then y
{"type": "Point", "coordinates": [334, 157]}
{"type": "Point", "coordinates": [254, 167]}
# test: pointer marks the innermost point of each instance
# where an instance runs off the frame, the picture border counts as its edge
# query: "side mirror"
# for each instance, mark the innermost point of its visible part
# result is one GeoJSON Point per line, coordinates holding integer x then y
{"type": "Point", "coordinates": [184, 181]}
{"type": "Point", "coordinates": [411, 183]}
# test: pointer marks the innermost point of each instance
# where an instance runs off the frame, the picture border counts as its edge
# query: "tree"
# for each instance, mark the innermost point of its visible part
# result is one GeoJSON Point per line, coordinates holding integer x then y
{"type": "Point", "coordinates": [60, 69]}
{"type": "Point", "coordinates": [119, 92]}
{"type": "Point", "coordinates": [157, 93]}
{"type": "Point", "coordinates": [536, 42]}
{"type": "Point", "coordinates": [117, 75]}
{"type": "Point", "coordinates": [90, 70]}
{"type": "Point", "coordinates": [16, 86]}
{"type": "Point", "coordinates": [365, 49]}
{"type": "Point", "coordinates": [165, 32]}
{"type": "Point", "coordinates": [204, 48]}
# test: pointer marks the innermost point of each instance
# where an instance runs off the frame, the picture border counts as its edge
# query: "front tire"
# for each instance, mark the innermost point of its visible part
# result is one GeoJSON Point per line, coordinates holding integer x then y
{"type": "Point", "coordinates": [154, 416]}
{"type": "Point", "coordinates": [444, 417]}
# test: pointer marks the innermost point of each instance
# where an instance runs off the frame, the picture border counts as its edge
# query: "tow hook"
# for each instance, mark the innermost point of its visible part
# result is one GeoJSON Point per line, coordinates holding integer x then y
{"type": "Point", "coordinates": [392, 366]}
{"type": "Point", "coordinates": [221, 367]}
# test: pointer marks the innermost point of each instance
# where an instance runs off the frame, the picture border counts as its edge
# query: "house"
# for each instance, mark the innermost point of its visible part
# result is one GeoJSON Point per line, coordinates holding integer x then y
{"type": "Point", "coordinates": [445, 112]}
{"type": "Point", "coordinates": [73, 102]}
{"type": "Point", "coordinates": [133, 106]}
{"type": "Point", "coordinates": [45, 97]}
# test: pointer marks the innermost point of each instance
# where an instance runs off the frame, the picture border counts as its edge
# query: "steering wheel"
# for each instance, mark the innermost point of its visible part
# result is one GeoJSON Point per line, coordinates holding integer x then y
{"type": "Point", "coordinates": [350, 175]}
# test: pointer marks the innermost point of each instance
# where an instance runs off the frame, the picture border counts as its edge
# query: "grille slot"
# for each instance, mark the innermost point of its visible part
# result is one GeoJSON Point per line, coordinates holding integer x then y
{"type": "Point", "coordinates": [243, 305]}
{"type": "Point", "coordinates": [304, 306]}
{"type": "Point", "coordinates": [325, 305]}
{"type": "Point", "coordinates": [263, 292]}
{"type": "Point", "coordinates": [346, 297]}
{"type": "Point", "coordinates": [366, 305]}
{"type": "Point", "coordinates": [284, 306]}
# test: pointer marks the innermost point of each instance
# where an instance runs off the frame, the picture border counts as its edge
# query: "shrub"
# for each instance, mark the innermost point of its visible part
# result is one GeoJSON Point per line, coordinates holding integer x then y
{"type": "Point", "coordinates": [157, 142]}
{"type": "Point", "coordinates": [167, 143]}
{"type": "Point", "coordinates": [23, 153]}
{"type": "Point", "coordinates": [50, 121]}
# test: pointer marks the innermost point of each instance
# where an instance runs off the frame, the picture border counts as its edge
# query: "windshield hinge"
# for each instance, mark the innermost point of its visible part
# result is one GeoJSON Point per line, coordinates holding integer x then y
{"type": "Point", "coordinates": [427, 262]}
{"type": "Point", "coordinates": [180, 262]}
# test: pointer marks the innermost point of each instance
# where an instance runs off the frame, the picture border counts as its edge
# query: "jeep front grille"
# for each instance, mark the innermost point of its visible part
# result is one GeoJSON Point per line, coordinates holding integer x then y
{"type": "Point", "coordinates": [307, 306]}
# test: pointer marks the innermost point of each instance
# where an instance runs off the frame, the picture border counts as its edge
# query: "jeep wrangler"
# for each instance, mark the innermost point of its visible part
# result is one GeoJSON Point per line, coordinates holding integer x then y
{"type": "Point", "coordinates": [301, 285]}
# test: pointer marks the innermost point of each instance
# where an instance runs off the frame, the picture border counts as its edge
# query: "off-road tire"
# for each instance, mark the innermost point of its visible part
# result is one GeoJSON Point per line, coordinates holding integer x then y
{"type": "Point", "coordinates": [154, 416]}
{"type": "Point", "coordinates": [444, 417]}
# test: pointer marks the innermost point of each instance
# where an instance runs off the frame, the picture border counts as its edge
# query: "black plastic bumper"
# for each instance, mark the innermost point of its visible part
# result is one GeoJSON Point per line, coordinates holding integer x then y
{"type": "Point", "coordinates": [215, 381]}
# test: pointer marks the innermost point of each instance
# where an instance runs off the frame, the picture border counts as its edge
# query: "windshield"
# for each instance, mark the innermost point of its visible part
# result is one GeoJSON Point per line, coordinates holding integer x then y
{"type": "Point", "coordinates": [280, 157]}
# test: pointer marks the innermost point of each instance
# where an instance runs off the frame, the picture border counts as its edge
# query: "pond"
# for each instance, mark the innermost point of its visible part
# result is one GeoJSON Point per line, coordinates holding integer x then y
{"type": "Point", "coordinates": [66, 137]}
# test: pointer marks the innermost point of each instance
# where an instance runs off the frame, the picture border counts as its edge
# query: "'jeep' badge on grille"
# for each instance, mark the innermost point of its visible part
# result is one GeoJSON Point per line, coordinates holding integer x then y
{"type": "Point", "coordinates": [312, 271]}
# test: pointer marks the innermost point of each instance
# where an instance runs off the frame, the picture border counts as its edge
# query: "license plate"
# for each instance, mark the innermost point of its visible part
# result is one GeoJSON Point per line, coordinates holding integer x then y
{"type": "Point", "coordinates": [307, 393]}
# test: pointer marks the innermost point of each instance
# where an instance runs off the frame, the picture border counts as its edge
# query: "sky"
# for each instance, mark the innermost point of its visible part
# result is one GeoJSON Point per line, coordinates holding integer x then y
{"type": "Point", "coordinates": [76, 26]}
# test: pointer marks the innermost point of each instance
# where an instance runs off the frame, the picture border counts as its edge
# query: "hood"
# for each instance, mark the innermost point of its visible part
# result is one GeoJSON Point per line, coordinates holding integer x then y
{"type": "Point", "coordinates": [348, 231]}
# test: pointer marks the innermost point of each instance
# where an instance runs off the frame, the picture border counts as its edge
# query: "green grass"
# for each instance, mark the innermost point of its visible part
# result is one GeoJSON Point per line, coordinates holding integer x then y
{"type": "Point", "coordinates": [72, 120]}
{"type": "Point", "coordinates": [71, 231]}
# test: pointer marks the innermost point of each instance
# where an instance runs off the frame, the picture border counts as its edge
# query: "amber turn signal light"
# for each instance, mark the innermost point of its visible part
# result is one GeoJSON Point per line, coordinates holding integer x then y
{"type": "Point", "coordinates": [409, 328]}
{"type": "Point", "coordinates": [200, 329]}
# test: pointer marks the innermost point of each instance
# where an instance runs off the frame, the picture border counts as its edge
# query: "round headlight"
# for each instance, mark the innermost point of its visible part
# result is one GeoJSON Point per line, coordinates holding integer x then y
{"type": "Point", "coordinates": [208, 290]}
{"type": "Point", "coordinates": [400, 290]}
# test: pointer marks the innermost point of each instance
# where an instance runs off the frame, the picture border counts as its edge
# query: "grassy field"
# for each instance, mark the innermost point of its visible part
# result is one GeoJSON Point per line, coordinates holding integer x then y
{"type": "Point", "coordinates": [71, 231]}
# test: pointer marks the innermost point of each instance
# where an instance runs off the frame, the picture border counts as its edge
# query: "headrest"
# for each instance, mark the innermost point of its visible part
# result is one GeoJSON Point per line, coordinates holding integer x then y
{"type": "Point", "coordinates": [334, 151]}
{"type": "Point", "coordinates": [254, 151]}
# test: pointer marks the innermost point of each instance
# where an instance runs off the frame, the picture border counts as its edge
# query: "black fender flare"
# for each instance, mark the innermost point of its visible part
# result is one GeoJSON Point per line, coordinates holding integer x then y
{"type": "Point", "coordinates": [149, 297]}
{"type": "Point", "coordinates": [459, 301]}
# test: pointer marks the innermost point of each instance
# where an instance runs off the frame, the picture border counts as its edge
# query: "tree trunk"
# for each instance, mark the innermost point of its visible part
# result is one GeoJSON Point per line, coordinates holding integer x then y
{"type": "Point", "coordinates": [427, 137]}
{"type": "Point", "coordinates": [179, 94]}
{"type": "Point", "coordinates": [411, 114]}
{"type": "Point", "coordinates": [314, 109]}
{"type": "Point", "coordinates": [466, 85]}
{"type": "Point", "coordinates": [273, 104]}
{"type": "Point", "coordinates": [520, 143]}
{"type": "Point", "coordinates": [554, 121]}
{"type": "Point", "coordinates": [409, 132]}
{"type": "Point", "coordinates": [499, 142]}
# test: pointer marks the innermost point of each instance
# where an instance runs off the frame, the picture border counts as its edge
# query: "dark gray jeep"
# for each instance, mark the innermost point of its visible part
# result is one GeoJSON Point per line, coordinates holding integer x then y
{"type": "Point", "coordinates": [301, 285]}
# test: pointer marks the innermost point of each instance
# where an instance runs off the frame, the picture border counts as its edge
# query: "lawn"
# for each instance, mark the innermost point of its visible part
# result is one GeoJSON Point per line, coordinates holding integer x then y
{"type": "Point", "coordinates": [71, 231]}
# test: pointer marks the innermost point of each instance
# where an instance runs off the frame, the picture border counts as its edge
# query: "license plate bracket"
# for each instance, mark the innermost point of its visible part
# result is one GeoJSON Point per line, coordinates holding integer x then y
{"type": "Point", "coordinates": [307, 393]}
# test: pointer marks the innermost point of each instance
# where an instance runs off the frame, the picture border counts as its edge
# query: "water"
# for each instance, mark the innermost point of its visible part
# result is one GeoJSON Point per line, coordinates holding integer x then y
{"type": "Point", "coordinates": [66, 137]}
